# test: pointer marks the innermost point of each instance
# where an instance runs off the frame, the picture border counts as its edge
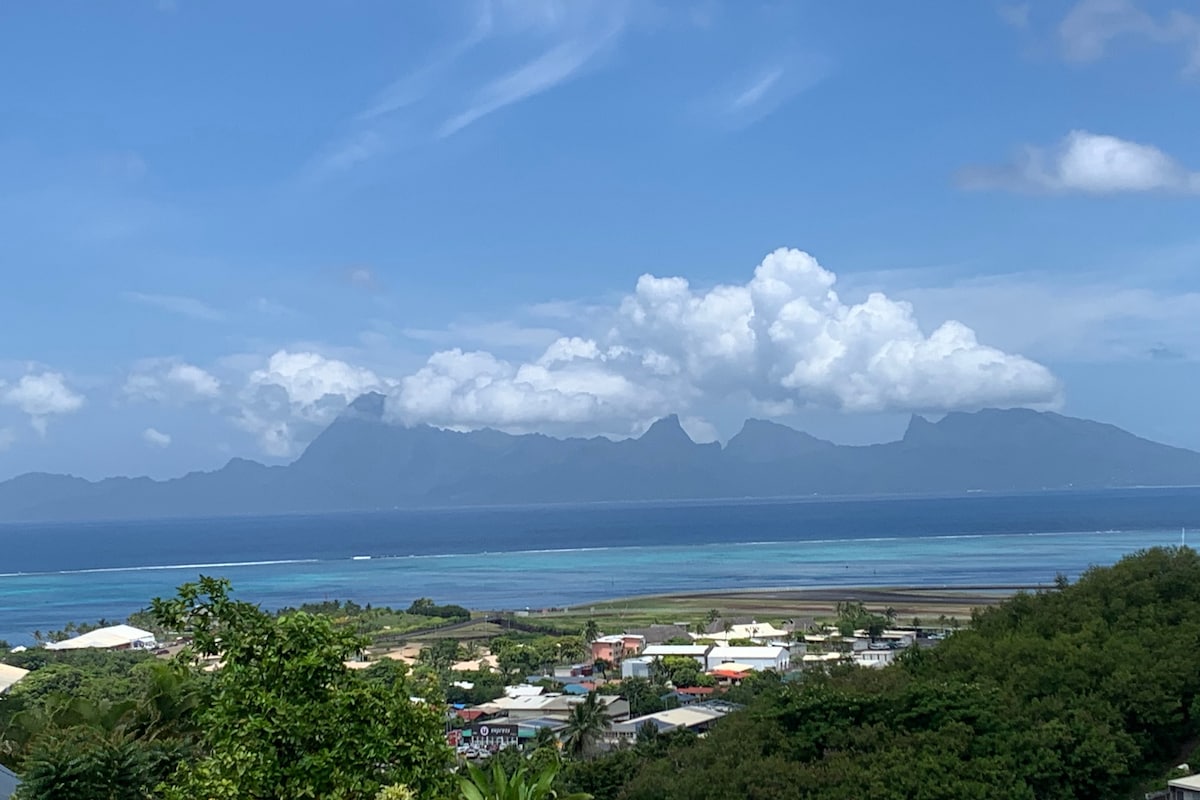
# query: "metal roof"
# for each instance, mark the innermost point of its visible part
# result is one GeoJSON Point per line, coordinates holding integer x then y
{"type": "Point", "coordinates": [104, 638]}
{"type": "Point", "coordinates": [9, 675]}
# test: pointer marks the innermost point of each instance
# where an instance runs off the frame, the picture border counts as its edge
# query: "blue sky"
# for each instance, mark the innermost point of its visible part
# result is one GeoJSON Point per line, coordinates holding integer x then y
{"type": "Point", "coordinates": [223, 221]}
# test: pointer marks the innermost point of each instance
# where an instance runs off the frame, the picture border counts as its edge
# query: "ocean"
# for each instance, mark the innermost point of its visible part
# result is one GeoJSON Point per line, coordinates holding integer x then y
{"type": "Point", "coordinates": [554, 555]}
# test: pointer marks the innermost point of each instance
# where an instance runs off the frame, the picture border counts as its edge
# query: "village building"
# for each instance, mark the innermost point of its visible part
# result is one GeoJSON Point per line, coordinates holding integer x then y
{"type": "Point", "coordinates": [114, 637]}
{"type": "Point", "coordinates": [10, 676]}
{"type": "Point", "coordinates": [767, 657]}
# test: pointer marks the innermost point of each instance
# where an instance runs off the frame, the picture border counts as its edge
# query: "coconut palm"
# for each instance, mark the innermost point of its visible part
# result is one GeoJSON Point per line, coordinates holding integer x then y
{"type": "Point", "coordinates": [591, 631]}
{"type": "Point", "coordinates": [521, 785]}
{"type": "Point", "coordinates": [586, 725]}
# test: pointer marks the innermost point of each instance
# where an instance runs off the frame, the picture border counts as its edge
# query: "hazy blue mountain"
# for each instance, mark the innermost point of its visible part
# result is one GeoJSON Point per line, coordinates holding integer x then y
{"type": "Point", "coordinates": [361, 462]}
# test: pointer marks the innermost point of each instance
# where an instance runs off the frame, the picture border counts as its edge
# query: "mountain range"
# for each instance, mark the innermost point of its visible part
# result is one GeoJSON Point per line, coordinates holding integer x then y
{"type": "Point", "coordinates": [363, 462]}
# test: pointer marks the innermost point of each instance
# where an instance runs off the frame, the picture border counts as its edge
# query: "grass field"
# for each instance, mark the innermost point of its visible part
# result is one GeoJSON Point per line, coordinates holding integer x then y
{"type": "Point", "coordinates": [775, 605]}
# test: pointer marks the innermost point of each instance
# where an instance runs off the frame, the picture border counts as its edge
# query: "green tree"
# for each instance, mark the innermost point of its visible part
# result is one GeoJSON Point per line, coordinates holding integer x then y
{"type": "Point", "coordinates": [586, 725]}
{"type": "Point", "coordinates": [496, 784]}
{"type": "Point", "coordinates": [591, 631]}
{"type": "Point", "coordinates": [287, 717]}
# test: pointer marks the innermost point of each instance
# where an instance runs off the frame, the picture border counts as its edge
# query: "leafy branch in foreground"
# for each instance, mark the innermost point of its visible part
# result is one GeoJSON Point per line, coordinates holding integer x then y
{"type": "Point", "coordinates": [288, 718]}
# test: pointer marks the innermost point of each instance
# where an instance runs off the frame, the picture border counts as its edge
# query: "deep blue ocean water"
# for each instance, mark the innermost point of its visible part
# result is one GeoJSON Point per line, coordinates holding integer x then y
{"type": "Point", "coordinates": [539, 556]}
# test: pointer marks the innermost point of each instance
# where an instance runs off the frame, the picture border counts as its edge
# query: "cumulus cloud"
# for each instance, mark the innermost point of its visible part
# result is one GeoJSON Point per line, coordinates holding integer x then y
{"type": "Point", "coordinates": [156, 438]}
{"type": "Point", "coordinates": [1088, 163]}
{"type": "Point", "coordinates": [162, 380]}
{"type": "Point", "coordinates": [295, 394]}
{"type": "Point", "coordinates": [41, 396]}
{"type": "Point", "coordinates": [574, 383]}
{"type": "Point", "coordinates": [785, 338]}
{"type": "Point", "coordinates": [786, 335]}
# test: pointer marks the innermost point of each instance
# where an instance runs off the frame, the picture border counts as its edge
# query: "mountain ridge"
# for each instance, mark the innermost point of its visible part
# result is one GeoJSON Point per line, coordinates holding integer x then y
{"type": "Point", "coordinates": [360, 462]}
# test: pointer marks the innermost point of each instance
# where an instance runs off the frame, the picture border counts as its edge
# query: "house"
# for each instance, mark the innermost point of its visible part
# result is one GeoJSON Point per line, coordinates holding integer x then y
{"type": "Point", "coordinates": [753, 631]}
{"type": "Point", "coordinates": [634, 643]}
{"type": "Point", "coordinates": [114, 637]}
{"type": "Point", "coordinates": [551, 705]}
{"type": "Point", "coordinates": [8, 783]}
{"type": "Point", "coordinates": [1179, 789]}
{"type": "Point", "coordinates": [636, 667]}
{"type": "Point", "coordinates": [10, 675]}
{"type": "Point", "coordinates": [874, 658]}
{"type": "Point", "coordinates": [609, 648]}
{"type": "Point", "coordinates": [756, 658]}
{"type": "Point", "coordinates": [697, 717]}
{"type": "Point", "coordinates": [697, 652]}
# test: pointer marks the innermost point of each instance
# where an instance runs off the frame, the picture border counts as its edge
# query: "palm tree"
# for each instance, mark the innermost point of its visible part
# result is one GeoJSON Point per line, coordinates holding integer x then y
{"type": "Point", "coordinates": [587, 723]}
{"type": "Point", "coordinates": [521, 785]}
{"type": "Point", "coordinates": [591, 631]}
{"type": "Point", "coordinates": [545, 738]}
{"type": "Point", "coordinates": [890, 614]}
{"type": "Point", "coordinates": [602, 666]}
{"type": "Point", "coordinates": [712, 616]}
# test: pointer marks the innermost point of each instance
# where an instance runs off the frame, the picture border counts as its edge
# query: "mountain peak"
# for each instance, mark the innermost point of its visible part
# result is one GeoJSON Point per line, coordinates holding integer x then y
{"type": "Point", "coordinates": [368, 407]}
{"type": "Point", "coordinates": [665, 431]}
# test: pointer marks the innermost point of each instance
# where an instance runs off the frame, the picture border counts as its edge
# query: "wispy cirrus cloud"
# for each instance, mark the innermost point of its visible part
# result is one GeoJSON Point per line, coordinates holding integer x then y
{"type": "Point", "coordinates": [177, 304]}
{"type": "Point", "coordinates": [532, 45]}
{"type": "Point", "coordinates": [765, 90]}
{"type": "Point", "coordinates": [1089, 30]}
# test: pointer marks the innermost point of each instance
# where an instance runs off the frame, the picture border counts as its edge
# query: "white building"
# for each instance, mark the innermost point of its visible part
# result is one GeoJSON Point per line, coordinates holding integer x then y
{"type": "Point", "coordinates": [9, 676]}
{"type": "Point", "coordinates": [697, 652]}
{"type": "Point", "coordinates": [754, 631]}
{"type": "Point", "coordinates": [636, 667]}
{"type": "Point", "coordinates": [115, 637]}
{"type": "Point", "coordinates": [1184, 788]}
{"type": "Point", "coordinates": [526, 707]}
{"type": "Point", "coordinates": [697, 717]}
{"type": "Point", "coordinates": [759, 658]}
{"type": "Point", "coordinates": [874, 658]}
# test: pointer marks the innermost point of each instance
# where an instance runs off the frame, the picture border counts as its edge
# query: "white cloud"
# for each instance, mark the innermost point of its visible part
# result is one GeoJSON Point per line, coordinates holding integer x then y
{"type": "Point", "coordinates": [573, 384]}
{"type": "Point", "coordinates": [295, 394]}
{"type": "Point", "coordinates": [1089, 163]}
{"type": "Point", "coordinates": [1091, 27]}
{"type": "Point", "coordinates": [161, 380]}
{"type": "Point", "coordinates": [754, 93]}
{"type": "Point", "coordinates": [176, 304]}
{"type": "Point", "coordinates": [786, 335]}
{"type": "Point", "coordinates": [42, 395]}
{"type": "Point", "coordinates": [762, 92]}
{"type": "Point", "coordinates": [195, 380]}
{"type": "Point", "coordinates": [156, 438]}
{"type": "Point", "coordinates": [551, 68]}
{"type": "Point", "coordinates": [785, 338]}
{"type": "Point", "coordinates": [510, 51]}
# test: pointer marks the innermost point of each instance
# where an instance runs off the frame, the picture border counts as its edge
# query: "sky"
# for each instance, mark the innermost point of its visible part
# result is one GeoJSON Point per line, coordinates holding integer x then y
{"type": "Point", "coordinates": [220, 222]}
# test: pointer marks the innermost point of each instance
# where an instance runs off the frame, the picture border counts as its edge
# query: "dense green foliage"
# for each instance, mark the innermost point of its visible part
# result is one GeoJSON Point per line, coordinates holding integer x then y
{"type": "Point", "coordinates": [520, 784]}
{"type": "Point", "coordinates": [287, 718]}
{"type": "Point", "coordinates": [1078, 692]}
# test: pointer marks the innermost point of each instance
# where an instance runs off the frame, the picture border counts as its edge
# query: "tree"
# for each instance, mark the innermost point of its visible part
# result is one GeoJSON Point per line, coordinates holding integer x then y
{"type": "Point", "coordinates": [712, 616]}
{"type": "Point", "coordinates": [586, 725]}
{"type": "Point", "coordinates": [287, 717]}
{"type": "Point", "coordinates": [602, 666]}
{"type": "Point", "coordinates": [496, 784]}
{"type": "Point", "coordinates": [591, 631]}
{"type": "Point", "coordinates": [441, 655]}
